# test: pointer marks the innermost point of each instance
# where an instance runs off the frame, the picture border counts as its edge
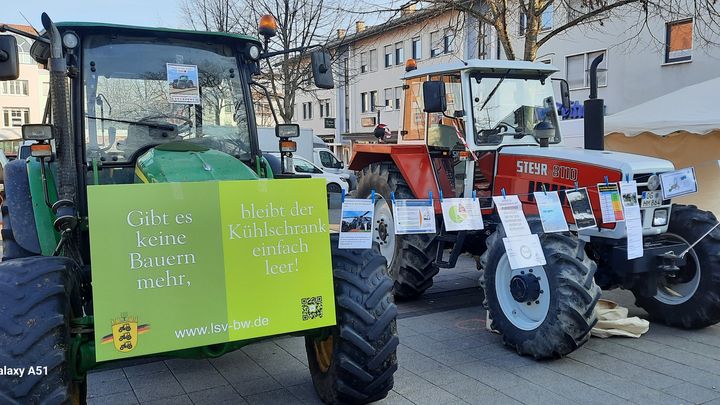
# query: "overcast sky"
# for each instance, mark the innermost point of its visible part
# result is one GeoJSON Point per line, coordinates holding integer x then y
{"type": "Point", "coordinates": [154, 13]}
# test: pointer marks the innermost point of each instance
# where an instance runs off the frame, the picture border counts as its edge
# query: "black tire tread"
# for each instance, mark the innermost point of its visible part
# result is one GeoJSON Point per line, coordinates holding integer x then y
{"type": "Point", "coordinates": [365, 337]}
{"type": "Point", "coordinates": [703, 309]}
{"type": "Point", "coordinates": [35, 307]}
{"type": "Point", "coordinates": [570, 326]}
{"type": "Point", "coordinates": [413, 266]}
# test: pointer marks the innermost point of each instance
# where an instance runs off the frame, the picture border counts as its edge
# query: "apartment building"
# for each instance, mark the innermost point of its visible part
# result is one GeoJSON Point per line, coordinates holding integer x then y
{"type": "Point", "coordinates": [369, 64]}
{"type": "Point", "coordinates": [23, 100]}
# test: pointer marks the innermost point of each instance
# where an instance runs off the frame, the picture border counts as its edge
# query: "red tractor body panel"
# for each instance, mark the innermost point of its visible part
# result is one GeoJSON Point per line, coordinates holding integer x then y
{"type": "Point", "coordinates": [525, 174]}
{"type": "Point", "coordinates": [412, 160]}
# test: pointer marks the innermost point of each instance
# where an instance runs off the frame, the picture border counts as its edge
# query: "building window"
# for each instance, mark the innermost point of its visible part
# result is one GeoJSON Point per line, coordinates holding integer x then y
{"type": "Point", "coordinates": [388, 97]}
{"type": "Point", "coordinates": [15, 88]}
{"type": "Point", "coordinates": [373, 100]}
{"type": "Point", "coordinates": [417, 48]}
{"type": "Point", "coordinates": [324, 108]}
{"type": "Point", "coordinates": [388, 56]}
{"type": "Point", "coordinates": [678, 41]}
{"type": "Point", "coordinates": [578, 69]}
{"type": "Point", "coordinates": [307, 110]}
{"type": "Point", "coordinates": [363, 62]}
{"type": "Point", "coordinates": [15, 117]}
{"type": "Point", "coordinates": [373, 60]}
{"type": "Point", "coordinates": [546, 18]}
{"type": "Point", "coordinates": [435, 44]}
{"type": "Point", "coordinates": [23, 45]}
{"type": "Point", "coordinates": [363, 102]}
{"type": "Point", "coordinates": [448, 40]}
{"type": "Point", "coordinates": [399, 53]}
{"type": "Point", "coordinates": [398, 96]}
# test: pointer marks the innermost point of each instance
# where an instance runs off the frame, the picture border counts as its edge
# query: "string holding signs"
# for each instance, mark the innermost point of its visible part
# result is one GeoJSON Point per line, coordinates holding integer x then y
{"type": "Point", "coordinates": [678, 183]}
{"type": "Point", "coordinates": [461, 214]}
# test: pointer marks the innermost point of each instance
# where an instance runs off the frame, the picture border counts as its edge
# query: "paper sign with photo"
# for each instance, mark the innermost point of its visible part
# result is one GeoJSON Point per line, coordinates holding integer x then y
{"type": "Point", "coordinates": [511, 214]}
{"type": "Point", "coordinates": [610, 205]}
{"type": "Point", "coordinates": [551, 211]}
{"type": "Point", "coordinates": [633, 219]}
{"type": "Point", "coordinates": [581, 208]}
{"type": "Point", "coordinates": [462, 214]}
{"type": "Point", "coordinates": [183, 83]}
{"type": "Point", "coordinates": [524, 251]}
{"type": "Point", "coordinates": [413, 216]}
{"type": "Point", "coordinates": [356, 224]}
{"type": "Point", "coordinates": [679, 182]}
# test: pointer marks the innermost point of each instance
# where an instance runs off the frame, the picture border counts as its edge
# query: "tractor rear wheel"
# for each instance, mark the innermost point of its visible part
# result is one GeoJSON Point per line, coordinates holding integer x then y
{"type": "Point", "coordinates": [354, 362]}
{"type": "Point", "coordinates": [410, 257]}
{"type": "Point", "coordinates": [543, 311]}
{"type": "Point", "coordinates": [38, 297]}
{"type": "Point", "coordinates": [691, 298]}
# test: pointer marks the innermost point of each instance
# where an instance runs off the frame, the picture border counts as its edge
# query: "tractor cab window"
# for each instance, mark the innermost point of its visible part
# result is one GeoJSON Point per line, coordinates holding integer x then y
{"type": "Point", "coordinates": [511, 106]}
{"type": "Point", "coordinates": [414, 117]}
{"type": "Point", "coordinates": [446, 128]}
{"type": "Point", "coordinates": [142, 92]}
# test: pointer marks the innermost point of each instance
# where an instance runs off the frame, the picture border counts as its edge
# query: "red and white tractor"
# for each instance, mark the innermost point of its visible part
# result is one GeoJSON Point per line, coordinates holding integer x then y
{"type": "Point", "coordinates": [481, 126]}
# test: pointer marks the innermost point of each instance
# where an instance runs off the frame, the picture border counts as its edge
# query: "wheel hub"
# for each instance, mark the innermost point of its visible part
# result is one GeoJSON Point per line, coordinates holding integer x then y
{"type": "Point", "coordinates": [382, 230]}
{"type": "Point", "coordinates": [525, 287]}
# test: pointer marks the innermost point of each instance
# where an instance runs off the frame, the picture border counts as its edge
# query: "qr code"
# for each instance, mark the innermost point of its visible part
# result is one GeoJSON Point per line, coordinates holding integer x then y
{"type": "Point", "coordinates": [312, 307]}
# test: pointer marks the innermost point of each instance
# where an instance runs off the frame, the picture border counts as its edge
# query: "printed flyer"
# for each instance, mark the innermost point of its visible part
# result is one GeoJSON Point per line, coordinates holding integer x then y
{"type": "Point", "coordinates": [610, 205]}
{"type": "Point", "coordinates": [551, 211]}
{"type": "Point", "coordinates": [462, 214]}
{"type": "Point", "coordinates": [524, 251]}
{"type": "Point", "coordinates": [511, 215]}
{"type": "Point", "coordinates": [677, 183]}
{"type": "Point", "coordinates": [183, 83]}
{"type": "Point", "coordinates": [633, 219]}
{"type": "Point", "coordinates": [356, 224]}
{"type": "Point", "coordinates": [581, 208]}
{"type": "Point", "coordinates": [182, 265]}
{"type": "Point", "coordinates": [414, 216]}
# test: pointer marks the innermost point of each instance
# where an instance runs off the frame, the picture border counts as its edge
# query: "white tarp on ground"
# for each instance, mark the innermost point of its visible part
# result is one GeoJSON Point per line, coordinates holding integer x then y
{"type": "Point", "coordinates": [693, 109]}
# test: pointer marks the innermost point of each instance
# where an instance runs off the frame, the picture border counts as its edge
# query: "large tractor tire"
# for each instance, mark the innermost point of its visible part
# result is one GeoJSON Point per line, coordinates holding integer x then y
{"type": "Point", "coordinates": [410, 257]}
{"type": "Point", "coordinates": [354, 363]}
{"type": "Point", "coordinates": [691, 298]}
{"type": "Point", "coordinates": [543, 311]}
{"type": "Point", "coordinates": [38, 297]}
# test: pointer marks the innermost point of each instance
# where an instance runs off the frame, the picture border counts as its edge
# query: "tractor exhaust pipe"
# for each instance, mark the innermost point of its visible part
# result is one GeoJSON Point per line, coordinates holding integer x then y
{"type": "Point", "coordinates": [594, 107]}
{"type": "Point", "coordinates": [64, 208]}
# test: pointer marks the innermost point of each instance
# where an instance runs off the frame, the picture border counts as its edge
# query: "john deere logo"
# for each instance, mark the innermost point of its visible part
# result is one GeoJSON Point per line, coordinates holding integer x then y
{"type": "Point", "coordinates": [125, 332]}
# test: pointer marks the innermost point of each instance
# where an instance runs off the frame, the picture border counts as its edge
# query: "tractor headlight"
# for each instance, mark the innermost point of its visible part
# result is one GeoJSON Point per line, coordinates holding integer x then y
{"type": "Point", "coordinates": [70, 40]}
{"type": "Point", "coordinates": [660, 217]}
{"type": "Point", "coordinates": [653, 182]}
{"type": "Point", "coordinates": [254, 52]}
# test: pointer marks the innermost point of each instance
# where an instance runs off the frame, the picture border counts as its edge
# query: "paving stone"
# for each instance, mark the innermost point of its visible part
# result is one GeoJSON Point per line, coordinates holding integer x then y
{"type": "Point", "coordinates": [120, 398]}
{"type": "Point", "coordinates": [237, 366]}
{"type": "Point", "coordinates": [277, 397]}
{"type": "Point", "coordinates": [446, 375]}
{"type": "Point", "coordinates": [101, 388]}
{"type": "Point", "coordinates": [149, 387]}
{"type": "Point", "coordinates": [196, 375]}
{"type": "Point", "coordinates": [489, 375]}
{"type": "Point", "coordinates": [293, 378]}
{"type": "Point", "coordinates": [394, 398]}
{"type": "Point", "coordinates": [305, 393]}
{"type": "Point", "coordinates": [692, 393]}
{"type": "Point", "coordinates": [255, 386]}
{"type": "Point", "coordinates": [431, 395]}
{"type": "Point", "coordinates": [454, 358]}
{"type": "Point", "coordinates": [178, 400]}
{"type": "Point", "coordinates": [103, 375]}
{"type": "Point", "coordinates": [224, 394]}
{"type": "Point", "coordinates": [143, 369]}
{"type": "Point", "coordinates": [531, 394]}
{"type": "Point", "coordinates": [406, 381]}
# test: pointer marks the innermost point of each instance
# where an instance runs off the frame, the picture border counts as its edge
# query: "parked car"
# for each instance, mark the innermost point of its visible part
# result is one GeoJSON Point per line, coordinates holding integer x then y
{"type": "Point", "coordinates": [335, 183]}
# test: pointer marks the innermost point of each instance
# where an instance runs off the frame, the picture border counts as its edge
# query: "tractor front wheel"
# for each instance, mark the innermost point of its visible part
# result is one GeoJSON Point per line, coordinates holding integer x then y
{"type": "Point", "coordinates": [38, 297]}
{"type": "Point", "coordinates": [690, 298]}
{"type": "Point", "coordinates": [410, 257]}
{"type": "Point", "coordinates": [354, 361]}
{"type": "Point", "coordinates": [543, 311]}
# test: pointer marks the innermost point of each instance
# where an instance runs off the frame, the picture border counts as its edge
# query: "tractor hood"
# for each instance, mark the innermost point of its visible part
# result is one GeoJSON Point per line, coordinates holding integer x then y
{"type": "Point", "coordinates": [185, 161]}
{"type": "Point", "coordinates": [626, 162]}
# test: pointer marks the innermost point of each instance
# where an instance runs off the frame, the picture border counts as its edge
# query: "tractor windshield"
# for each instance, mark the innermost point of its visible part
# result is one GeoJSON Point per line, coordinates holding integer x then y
{"type": "Point", "coordinates": [141, 92]}
{"type": "Point", "coordinates": [504, 106]}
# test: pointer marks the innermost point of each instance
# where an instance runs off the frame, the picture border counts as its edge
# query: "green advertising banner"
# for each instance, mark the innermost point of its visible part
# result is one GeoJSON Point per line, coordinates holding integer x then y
{"type": "Point", "coordinates": [179, 265]}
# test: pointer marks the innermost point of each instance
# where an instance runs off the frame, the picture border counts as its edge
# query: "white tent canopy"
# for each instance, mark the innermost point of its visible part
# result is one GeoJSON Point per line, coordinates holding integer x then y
{"type": "Point", "coordinates": [693, 109]}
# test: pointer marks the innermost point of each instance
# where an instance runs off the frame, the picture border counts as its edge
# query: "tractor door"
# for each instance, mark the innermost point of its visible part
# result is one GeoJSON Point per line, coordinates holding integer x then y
{"type": "Point", "coordinates": [445, 130]}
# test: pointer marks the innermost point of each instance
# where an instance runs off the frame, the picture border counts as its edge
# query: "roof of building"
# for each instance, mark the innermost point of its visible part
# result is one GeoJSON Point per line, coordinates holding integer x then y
{"type": "Point", "coordinates": [25, 28]}
{"type": "Point", "coordinates": [499, 66]}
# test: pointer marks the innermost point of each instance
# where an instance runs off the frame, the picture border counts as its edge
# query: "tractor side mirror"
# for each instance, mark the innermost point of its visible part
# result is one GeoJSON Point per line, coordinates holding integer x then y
{"type": "Point", "coordinates": [9, 62]}
{"type": "Point", "coordinates": [322, 69]}
{"type": "Point", "coordinates": [564, 93]}
{"type": "Point", "coordinates": [434, 98]}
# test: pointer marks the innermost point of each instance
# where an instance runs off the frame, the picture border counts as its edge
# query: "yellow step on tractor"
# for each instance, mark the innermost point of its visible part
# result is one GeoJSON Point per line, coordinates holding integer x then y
{"type": "Point", "coordinates": [138, 226]}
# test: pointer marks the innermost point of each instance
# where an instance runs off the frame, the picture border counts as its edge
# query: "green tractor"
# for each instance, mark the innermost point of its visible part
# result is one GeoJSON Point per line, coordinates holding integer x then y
{"type": "Point", "coordinates": [113, 120]}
